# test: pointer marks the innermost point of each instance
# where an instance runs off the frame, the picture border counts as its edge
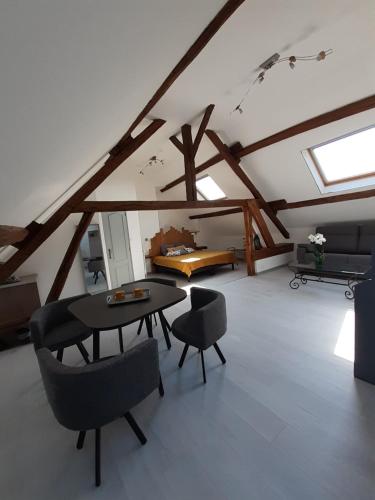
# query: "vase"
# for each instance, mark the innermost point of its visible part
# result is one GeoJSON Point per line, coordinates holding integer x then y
{"type": "Point", "coordinates": [319, 259]}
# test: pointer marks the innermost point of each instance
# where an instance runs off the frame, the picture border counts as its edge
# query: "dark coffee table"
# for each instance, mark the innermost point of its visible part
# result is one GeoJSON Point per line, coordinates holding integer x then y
{"type": "Point", "coordinates": [344, 275]}
{"type": "Point", "coordinates": [94, 312]}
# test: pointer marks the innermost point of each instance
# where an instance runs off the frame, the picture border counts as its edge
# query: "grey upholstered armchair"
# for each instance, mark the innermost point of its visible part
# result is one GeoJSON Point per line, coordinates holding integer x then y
{"type": "Point", "coordinates": [54, 326]}
{"type": "Point", "coordinates": [203, 325]}
{"type": "Point", "coordinates": [89, 397]}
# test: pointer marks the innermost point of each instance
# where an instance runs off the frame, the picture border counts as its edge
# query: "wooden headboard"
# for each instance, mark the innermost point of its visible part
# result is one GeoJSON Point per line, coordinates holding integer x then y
{"type": "Point", "coordinates": [170, 237]}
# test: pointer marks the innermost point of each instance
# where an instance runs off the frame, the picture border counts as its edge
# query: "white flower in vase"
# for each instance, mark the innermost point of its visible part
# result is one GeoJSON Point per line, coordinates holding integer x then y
{"type": "Point", "coordinates": [317, 240]}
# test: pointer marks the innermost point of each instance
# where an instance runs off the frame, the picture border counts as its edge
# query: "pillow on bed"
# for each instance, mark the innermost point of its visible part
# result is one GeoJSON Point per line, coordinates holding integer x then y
{"type": "Point", "coordinates": [166, 246]}
{"type": "Point", "coordinates": [174, 251]}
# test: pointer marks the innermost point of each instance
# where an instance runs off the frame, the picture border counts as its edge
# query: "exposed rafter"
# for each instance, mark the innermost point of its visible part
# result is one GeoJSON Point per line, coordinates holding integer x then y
{"type": "Point", "coordinates": [261, 223]}
{"type": "Point", "coordinates": [202, 127]}
{"type": "Point", "coordinates": [124, 147]}
{"type": "Point", "coordinates": [200, 43]}
{"type": "Point", "coordinates": [236, 167]}
{"type": "Point", "coordinates": [45, 230]}
{"type": "Point", "coordinates": [318, 121]}
{"type": "Point", "coordinates": [68, 259]}
{"type": "Point", "coordinates": [249, 243]}
{"type": "Point", "coordinates": [337, 198]}
{"type": "Point", "coordinates": [189, 149]}
{"type": "Point", "coordinates": [189, 162]}
{"type": "Point", "coordinates": [128, 206]}
{"type": "Point", "coordinates": [284, 205]}
{"type": "Point", "coordinates": [9, 235]}
{"type": "Point", "coordinates": [208, 215]}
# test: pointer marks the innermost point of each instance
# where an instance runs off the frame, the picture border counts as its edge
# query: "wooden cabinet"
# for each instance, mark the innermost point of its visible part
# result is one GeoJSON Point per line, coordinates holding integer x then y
{"type": "Point", "coordinates": [17, 303]}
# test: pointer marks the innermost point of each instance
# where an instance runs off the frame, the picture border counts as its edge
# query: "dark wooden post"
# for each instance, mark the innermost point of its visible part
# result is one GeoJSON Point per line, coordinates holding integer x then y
{"type": "Point", "coordinates": [249, 245]}
{"type": "Point", "coordinates": [261, 223]}
{"type": "Point", "coordinates": [68, 259]}
{"type": "Point", "coordinates": [187, 140]}
{"type": "Point", "coordinates": [189, 149]}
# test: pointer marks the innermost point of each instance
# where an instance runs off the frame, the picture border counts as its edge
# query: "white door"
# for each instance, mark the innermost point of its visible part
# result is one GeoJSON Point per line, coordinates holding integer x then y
{"type": "Point", "coordinates": [117, 244]}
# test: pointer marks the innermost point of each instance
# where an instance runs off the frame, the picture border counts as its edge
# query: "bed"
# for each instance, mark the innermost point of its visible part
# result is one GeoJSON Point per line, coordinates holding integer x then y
{"type": "Point", "coordinates": [190, 263]}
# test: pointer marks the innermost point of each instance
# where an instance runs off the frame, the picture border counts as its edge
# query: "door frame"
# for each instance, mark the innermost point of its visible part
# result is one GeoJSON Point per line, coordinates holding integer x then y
{"type": "Point", "coordinates": [105, 249]}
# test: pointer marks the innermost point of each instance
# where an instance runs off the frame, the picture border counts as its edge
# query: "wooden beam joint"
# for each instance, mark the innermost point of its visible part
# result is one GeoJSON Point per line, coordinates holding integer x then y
{"type": "Point", "coordinates": [10, 235]}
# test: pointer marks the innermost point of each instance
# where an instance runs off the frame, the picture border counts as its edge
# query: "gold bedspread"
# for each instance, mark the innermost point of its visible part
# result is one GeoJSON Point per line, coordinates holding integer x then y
{"type": "Point", "coordinates": [193, 261]}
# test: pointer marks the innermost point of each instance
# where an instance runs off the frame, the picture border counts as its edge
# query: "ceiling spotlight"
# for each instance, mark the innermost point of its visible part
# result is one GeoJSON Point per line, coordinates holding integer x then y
{"type": "Point", "coordinates": [154, 161]}
{"type": "Point", "coordinates": [276, 59]}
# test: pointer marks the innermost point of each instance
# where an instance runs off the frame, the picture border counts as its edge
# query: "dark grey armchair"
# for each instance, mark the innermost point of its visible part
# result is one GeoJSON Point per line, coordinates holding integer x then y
{"type": "Point", "coordinates": [203, 325]}
{"type": "Point", "coordinates": [54, 327]}
{"type": "Point", "coordinates": [163, 320]}
{"type": "Point", "coordinates": [89, 397]}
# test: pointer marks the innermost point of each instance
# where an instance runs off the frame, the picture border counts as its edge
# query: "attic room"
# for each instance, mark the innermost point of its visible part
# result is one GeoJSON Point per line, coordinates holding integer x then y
{"type": "Point", "coordinates": [187, 241]}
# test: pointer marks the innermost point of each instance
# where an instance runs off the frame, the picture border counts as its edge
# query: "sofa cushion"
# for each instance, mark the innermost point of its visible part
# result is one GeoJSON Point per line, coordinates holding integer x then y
{"type": "Point", "coordinates": [347, 262]}
{"type": "Point", "coordinates": [341, 238]}
{"type": "Point", "coordinates": [366, 238]}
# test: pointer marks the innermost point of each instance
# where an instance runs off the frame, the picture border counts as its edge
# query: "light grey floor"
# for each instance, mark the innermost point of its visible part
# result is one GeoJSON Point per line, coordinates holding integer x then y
{"type": "Point", "coordinates": [283, 419]}
{"type": "Point", "coordinates": [91, 286]}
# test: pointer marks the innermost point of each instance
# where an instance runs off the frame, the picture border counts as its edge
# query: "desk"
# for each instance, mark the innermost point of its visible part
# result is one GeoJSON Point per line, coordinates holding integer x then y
{"type": "Point", "coordinates": [94, 312]}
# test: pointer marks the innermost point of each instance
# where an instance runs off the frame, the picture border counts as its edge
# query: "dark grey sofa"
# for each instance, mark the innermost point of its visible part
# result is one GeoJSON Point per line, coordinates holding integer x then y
{"type": "Point", "coordinates": [348, 244]}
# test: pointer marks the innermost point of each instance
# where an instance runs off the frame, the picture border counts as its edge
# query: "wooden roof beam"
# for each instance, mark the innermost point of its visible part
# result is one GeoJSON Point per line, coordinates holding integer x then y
{"type": "Point", "coordinates": [9, 235]}
{"type": "Point", "coordinates": [126, 206]}
{"type": "Point", "coordinates": [200, 43]}
{"type": "Point", "coordinates": [207, 215]}
{"type": "Point", "coordinates": [202, 127]}
{"type": "Point", "coordinates": [318, 121]}
{"type": "Point", "coordinates": [189, 149]}
{"type": "Point", "coordinates": [127, 143]}
{"type": "Point", "coordinates": [236, 167]}
{"type": "Point", "coordinates": [45, 230]}
{"type": "Point", "coordinates": [337, 198]}
{"type": "Point", "coordinates": [202, 167]}
{"type": "Point", "coordinates": [67, 261]}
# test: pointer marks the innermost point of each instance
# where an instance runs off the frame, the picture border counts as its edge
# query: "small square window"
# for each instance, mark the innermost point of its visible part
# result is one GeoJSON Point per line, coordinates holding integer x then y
{"type": "Point", "coordinates": [344, 163]}
{"type": "Point", "coordinates": [208, 189]}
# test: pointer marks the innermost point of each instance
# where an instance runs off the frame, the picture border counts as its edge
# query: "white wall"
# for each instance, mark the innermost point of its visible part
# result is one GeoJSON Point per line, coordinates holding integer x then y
{"type": "Point", "coordinates": [120, 186]}
{"type": "Point", "coordinates": [148, 220]}
{"type": "Point", "coordinates": [47, 259]}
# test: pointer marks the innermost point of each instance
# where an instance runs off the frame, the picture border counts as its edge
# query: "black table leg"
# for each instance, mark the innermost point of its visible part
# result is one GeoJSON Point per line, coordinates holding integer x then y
{"type": "Point", "coordinates": [120, 339]}
{"type": "Point", "coordinates": [96, 345]}
{"type": "Point", "coordinates": [149, 326]}
{"type": "Point", "coordinates": [165, 329]}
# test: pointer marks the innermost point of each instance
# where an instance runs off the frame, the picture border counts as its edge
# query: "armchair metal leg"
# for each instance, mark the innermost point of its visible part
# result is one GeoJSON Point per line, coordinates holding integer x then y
{"type": "Point", "coordinates": [140, 326]}
{"type": "Point", "coordinates": [97, 457]}
{"type": "Point", "coordinates": [165, 330]}
{"type": "Point", "coordinates": [83, 351]}
{"type": "Point", "coordinates": [135, 427]}
{"type": "Point", "coordinates": [121, 340]}
{"type": "Point", "coordinates": [183, 355]}
{"type": "Point", "coordinates": [161, 387]}
{"type": "Point", "coordinates": [220, 354]}
{"type": "Point", "coordinates": [81, 439]}
{"type": "Point", "coordinates": [203, 368]}
{"type": "Point", "coordinates": [59, 355]}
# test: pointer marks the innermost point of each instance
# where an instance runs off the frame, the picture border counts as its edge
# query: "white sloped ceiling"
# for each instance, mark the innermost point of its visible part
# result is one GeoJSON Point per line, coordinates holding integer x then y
{"type": "Point", "coordinates": [74, 74]}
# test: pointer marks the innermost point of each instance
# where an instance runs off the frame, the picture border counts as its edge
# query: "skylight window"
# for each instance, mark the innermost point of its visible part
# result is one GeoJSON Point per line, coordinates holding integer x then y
{"type": "Point", "coordinates": [344, 163]}
{"type": "Point", "coordinates": [208, 188]}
